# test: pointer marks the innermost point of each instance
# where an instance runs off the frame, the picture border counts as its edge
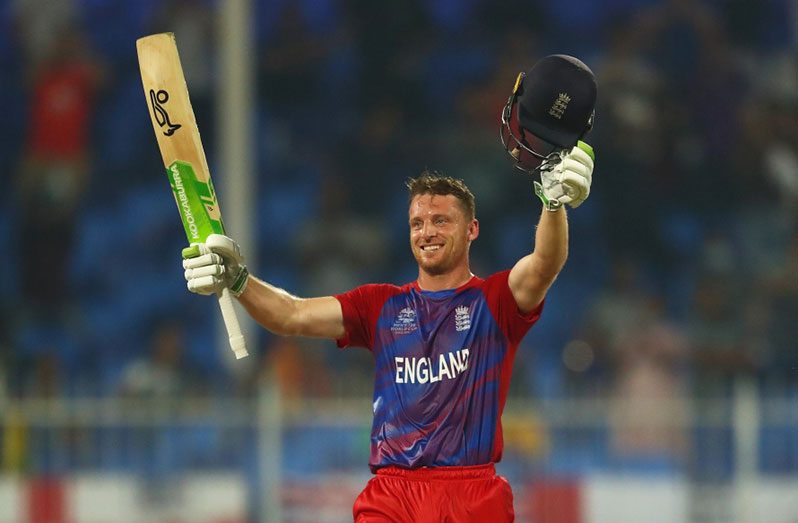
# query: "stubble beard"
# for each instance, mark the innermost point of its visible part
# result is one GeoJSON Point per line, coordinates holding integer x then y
{"type": "Point", "coordinates": [437, 268]}
{"type": "Point", "coordinates": [434, 269]}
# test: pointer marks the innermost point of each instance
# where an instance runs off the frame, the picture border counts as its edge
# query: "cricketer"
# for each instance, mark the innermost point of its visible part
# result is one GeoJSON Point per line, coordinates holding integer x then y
{"type": "Point", "coordinates": [444, 344]}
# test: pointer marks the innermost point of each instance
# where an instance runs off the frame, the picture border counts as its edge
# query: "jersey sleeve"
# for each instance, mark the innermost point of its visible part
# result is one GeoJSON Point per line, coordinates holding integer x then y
{"type": "Point", "coordinates": [361, 308]}
{"type": "Point", "coordinates": [504, 308]}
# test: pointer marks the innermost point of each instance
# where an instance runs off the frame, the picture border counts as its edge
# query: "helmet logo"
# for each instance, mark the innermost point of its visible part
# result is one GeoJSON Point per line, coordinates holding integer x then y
{"type": "Point", "coordinates": [560, 105]}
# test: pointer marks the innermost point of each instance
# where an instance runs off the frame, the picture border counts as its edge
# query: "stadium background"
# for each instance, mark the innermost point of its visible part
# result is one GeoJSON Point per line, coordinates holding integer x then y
{"type": "Point", "coordinates": [659, 385]}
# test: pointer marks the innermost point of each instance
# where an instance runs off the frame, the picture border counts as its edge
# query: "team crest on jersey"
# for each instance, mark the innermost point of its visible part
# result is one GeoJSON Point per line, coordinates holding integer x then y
{"type": "Point", "coordinates": [462, 320]}
{"type": "Point", "coordinates": [405, 322]}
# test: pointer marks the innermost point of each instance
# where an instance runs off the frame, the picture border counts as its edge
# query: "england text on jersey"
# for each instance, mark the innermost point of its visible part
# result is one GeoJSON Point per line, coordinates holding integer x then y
{"type": "Point", "coordinates": [423, 370]}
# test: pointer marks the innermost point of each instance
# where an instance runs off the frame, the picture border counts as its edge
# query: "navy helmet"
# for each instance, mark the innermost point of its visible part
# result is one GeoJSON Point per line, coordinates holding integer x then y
{"type": "Point", "coordinates": [550, 109]}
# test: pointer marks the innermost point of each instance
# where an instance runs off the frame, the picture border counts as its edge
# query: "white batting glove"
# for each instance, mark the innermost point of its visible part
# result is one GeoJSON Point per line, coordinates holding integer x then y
{"type": "Point", "coordinates": [568, 181]}
{"type": "Point", "coordinates": [214, 265]}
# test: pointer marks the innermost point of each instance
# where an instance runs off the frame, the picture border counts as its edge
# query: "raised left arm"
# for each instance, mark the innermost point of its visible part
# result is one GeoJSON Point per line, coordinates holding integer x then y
{"type": "Point", "coordinates": [567, 183]}
{"type": "Point", "coordinates": [533, 274]}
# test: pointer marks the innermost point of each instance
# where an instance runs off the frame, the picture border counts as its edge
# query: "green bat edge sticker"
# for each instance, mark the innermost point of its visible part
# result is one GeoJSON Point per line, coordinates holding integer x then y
{"type": "Point", "coordinates": [192, 196]}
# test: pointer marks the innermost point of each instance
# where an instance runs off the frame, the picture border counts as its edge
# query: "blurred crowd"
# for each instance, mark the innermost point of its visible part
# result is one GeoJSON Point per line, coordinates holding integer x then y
{"type": "Point", "coordinates": [683, 272]}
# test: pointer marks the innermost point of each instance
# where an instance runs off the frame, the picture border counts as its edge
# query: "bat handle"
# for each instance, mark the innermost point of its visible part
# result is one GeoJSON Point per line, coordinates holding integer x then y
{"type": "Point", "coordinates": [237, 342]}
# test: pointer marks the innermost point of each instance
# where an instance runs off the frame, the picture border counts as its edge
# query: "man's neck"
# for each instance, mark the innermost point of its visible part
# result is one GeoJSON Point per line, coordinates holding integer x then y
{"type": "Point", "coordinates": [440, 282]}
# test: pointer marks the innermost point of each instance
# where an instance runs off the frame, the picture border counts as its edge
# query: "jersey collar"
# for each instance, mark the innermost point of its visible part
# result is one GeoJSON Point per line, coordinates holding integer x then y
{"type": "Point", "coordinates": [473, 280]}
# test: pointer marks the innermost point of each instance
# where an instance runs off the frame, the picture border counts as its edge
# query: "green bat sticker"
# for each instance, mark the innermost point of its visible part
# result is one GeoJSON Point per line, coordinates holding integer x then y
{"type": "Point", "coordinates": [196, 201]}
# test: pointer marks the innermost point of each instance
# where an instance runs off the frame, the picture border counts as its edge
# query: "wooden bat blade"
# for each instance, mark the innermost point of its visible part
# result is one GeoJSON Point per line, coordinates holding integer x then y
{"type": "Point", "coordinates": [178, 136]}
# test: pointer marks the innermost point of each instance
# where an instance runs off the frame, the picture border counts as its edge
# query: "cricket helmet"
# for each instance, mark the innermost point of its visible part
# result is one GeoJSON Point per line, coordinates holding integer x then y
{"type": "Point", "coordinates": [550, 109]}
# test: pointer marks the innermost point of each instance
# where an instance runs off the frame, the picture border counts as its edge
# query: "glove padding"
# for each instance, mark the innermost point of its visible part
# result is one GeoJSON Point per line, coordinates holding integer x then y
{"type": "Point", "coordinates": [568, 180]}
{"type": "Point", "coordinates": [214, 265]}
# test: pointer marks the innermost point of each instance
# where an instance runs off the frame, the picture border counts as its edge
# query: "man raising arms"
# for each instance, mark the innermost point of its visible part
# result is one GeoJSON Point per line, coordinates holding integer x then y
{"type": "Point", "coordinates": [444, 344]}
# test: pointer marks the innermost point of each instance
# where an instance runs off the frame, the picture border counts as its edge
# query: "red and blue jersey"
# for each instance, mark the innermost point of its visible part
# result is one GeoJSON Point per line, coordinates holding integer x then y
{"type": "Point", "coordinates": [443, 361]}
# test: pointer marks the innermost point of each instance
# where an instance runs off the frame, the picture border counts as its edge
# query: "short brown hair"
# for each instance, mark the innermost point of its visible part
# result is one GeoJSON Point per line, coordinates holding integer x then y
{"type": "Point", "coordinates": [433, 182]}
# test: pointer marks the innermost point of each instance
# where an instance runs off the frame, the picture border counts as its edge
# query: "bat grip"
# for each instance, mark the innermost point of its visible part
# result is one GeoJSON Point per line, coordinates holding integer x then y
{"type": "Point", "coordinates": [237, 342]}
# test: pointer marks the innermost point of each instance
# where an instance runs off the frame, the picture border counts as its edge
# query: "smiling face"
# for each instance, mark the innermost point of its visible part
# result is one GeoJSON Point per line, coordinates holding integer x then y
{"type": "Point", "coordinates": [440, 233]}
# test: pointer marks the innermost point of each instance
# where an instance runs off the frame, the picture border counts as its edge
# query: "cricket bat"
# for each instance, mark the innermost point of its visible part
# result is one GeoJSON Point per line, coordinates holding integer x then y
{"type": "Point", "coordinates": [183, 156]}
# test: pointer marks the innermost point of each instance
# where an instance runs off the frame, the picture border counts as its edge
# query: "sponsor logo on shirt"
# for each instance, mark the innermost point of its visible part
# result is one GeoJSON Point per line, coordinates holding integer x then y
{"type": "Point", "coordinates": [405, 322]}
{"type": "Point", "coordinates": [430, 370]}
{"type": "Point", "coordinates": [462, 320]}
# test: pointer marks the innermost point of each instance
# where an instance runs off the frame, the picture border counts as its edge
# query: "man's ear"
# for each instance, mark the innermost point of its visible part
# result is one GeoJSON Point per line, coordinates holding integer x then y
{"type": "Point", "coordinates": [473, 230]}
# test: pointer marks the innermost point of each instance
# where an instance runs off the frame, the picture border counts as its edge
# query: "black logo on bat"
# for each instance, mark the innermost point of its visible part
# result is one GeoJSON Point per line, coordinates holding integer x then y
{"type": "Point", "coordinates": [157, 99]}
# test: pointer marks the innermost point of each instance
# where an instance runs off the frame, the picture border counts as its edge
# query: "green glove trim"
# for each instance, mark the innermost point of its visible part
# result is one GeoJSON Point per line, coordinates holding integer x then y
{"type": "Point", "coordinates": [549, 205]}
{"type": "Point", "coordinates": [587, 148]}
{"type": "Point", "coordinates": [240, 282]}
{"type": "Point", "coordinates": [191, 252]}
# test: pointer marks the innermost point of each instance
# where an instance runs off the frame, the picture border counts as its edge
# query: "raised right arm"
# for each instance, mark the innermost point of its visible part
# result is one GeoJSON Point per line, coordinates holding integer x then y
{"type": "Point", "coordinates": [285, 314]}
{"type": "Point", "coordinates": [218, 263]}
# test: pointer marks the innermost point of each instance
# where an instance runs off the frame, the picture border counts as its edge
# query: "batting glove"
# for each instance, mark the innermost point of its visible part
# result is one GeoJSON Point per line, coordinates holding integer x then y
{"type": "Point", "coordinates": [567, 178]}
{"type": "Point", "coordinates": [214, 265]}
